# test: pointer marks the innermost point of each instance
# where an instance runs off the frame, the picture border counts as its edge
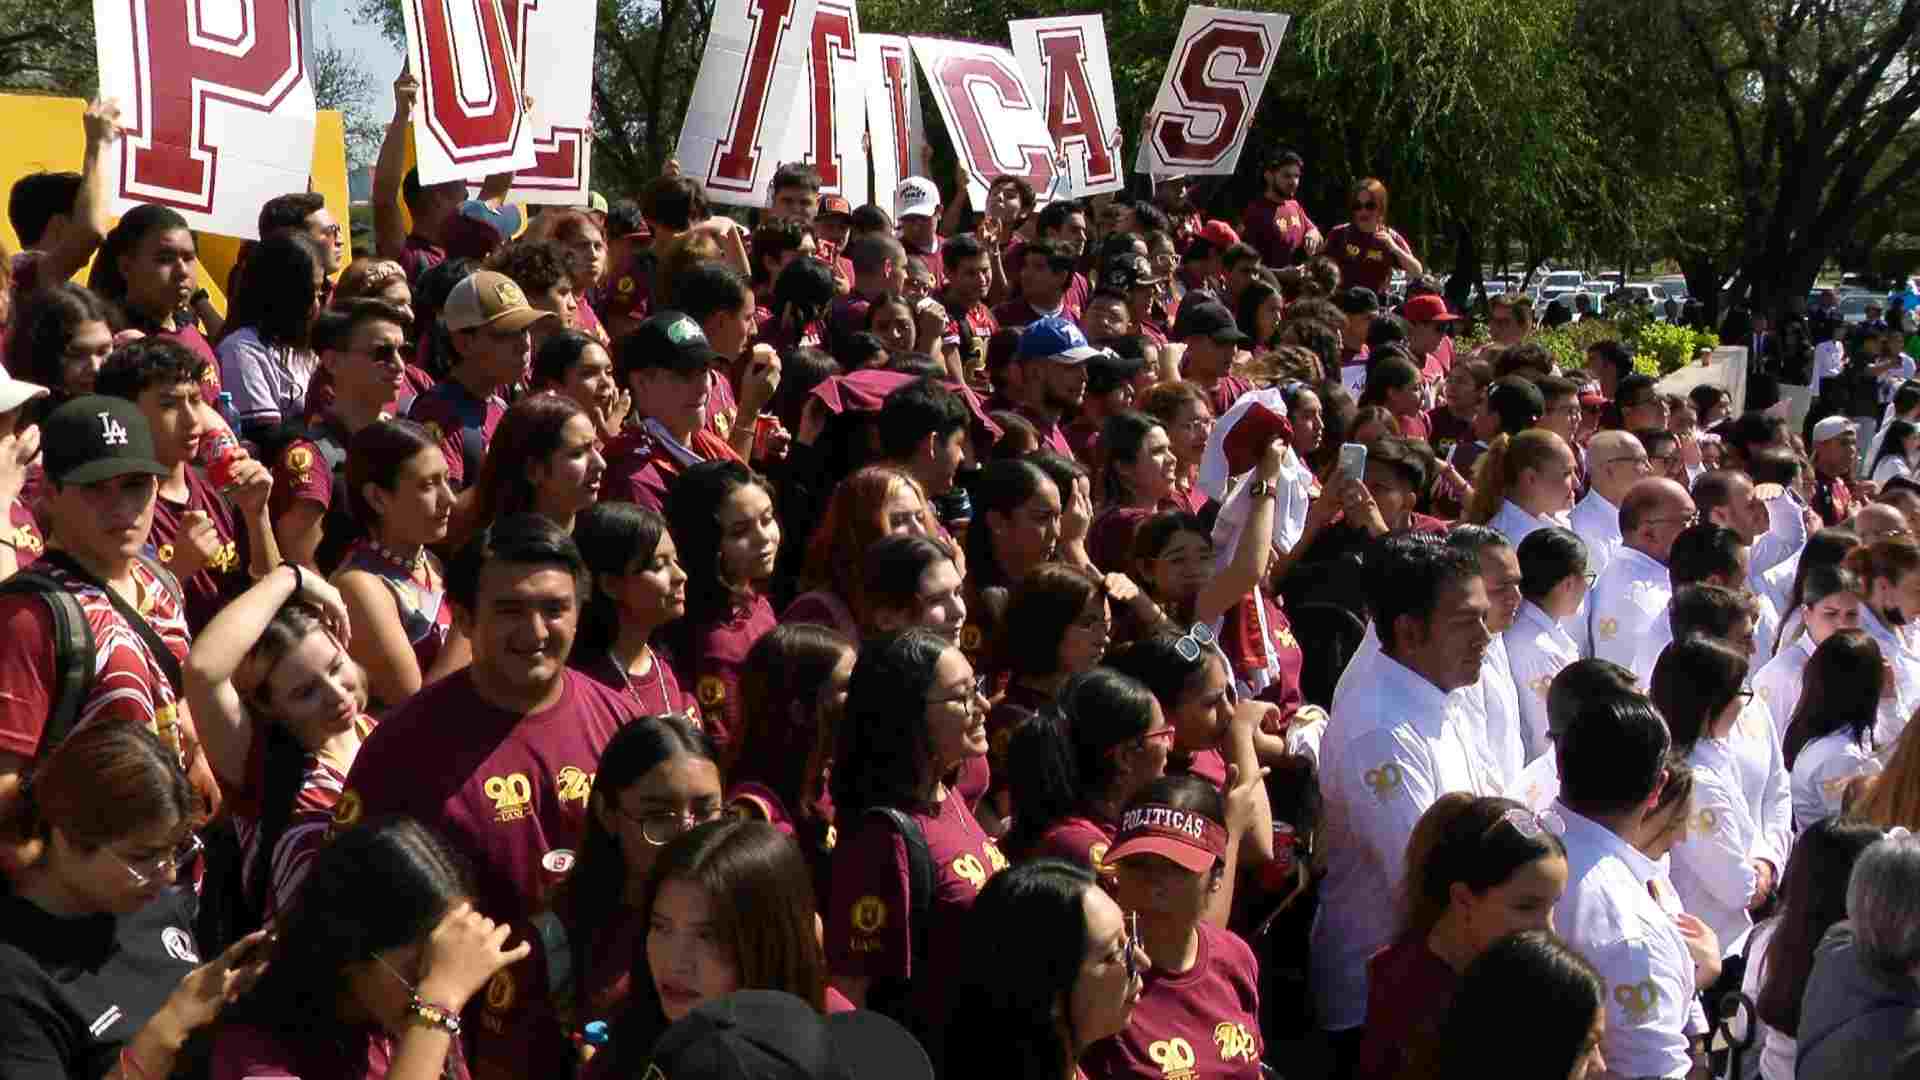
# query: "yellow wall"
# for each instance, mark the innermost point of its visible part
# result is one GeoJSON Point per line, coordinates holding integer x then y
{"type": "Point", "coordinates": [43, 133]}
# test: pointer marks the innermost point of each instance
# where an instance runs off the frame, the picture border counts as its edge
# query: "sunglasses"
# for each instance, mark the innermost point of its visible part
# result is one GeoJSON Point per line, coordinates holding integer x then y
{"type": "Point", "coordinates": [1366, 206]}
{"type": "Point", "coordinates": [1534, 825]}
{"type": "Point", "coordinates": [1198, 639]}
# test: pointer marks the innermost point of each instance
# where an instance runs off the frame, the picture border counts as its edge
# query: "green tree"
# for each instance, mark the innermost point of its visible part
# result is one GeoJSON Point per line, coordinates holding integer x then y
{"type": "Point", "coordinates": [47, 47]}
{"type": "Point", "coordinates": [342, 82]}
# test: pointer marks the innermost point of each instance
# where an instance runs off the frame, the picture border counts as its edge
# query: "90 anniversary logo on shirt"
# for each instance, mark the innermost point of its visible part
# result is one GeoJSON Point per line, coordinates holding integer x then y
{"type": "Point", "coordinates": [512, 796]}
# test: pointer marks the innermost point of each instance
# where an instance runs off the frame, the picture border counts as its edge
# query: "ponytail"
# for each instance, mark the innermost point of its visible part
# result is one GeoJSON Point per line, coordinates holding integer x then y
{"type": "Point", "coordinates": [1489, 482]}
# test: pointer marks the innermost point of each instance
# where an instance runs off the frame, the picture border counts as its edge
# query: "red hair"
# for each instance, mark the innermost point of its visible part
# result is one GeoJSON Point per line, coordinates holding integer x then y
{"type": "Point", "coordinates": [1369, 186]}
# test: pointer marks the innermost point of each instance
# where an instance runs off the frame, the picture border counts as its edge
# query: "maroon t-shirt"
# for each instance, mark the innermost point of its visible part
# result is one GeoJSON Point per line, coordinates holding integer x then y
{"type": "Point", "coordinates": [1363, 257]}
{"type": "Point", "coordinates": [1225, 392]}
{"type": "Point", "coordinates": [507, 790]}
{"type": "Point", "coordinates": [1202, 1024]}
{"type": "Point", "coordinates": [935, 262]}
{"type": "Point", "coordinates": [657, 693]}
{"type": "Point", "coordinates": [1408, 989]}
{"type": "Point", "coordinates": [462, 424]}
{"type": "Point", "coordinates": [1078, 839]}
{"type": "Point", "coordinates": [225, 575]}
{"type": "Point", "coordinates": [713, 670]}
{"type": "Point", "coordinates": [419, 256]}
{"type": "Point", "coordinates": [1276, 230]}
{"type": "Point", "coordinates": [23, 532]}
{"type": "Point", "coordinates": [1446, 431]}
{"type": "Point", "coordinates": [868, 922]}
{"type": "Point", "coordinates": [242, 1052]}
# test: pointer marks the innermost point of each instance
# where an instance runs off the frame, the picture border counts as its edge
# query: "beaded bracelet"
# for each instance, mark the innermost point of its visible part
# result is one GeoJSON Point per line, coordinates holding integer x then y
{"type": "Point", "coordinates": [431, 1015]}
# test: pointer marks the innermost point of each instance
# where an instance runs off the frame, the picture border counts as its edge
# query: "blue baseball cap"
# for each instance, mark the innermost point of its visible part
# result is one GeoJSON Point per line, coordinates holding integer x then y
{"type": "Point", "coordinates": [1055, 338]}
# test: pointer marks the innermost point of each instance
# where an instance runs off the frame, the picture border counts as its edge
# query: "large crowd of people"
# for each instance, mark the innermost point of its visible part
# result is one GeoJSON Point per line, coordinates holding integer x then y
{"type": "Point", "coordinates": [1070, 640]}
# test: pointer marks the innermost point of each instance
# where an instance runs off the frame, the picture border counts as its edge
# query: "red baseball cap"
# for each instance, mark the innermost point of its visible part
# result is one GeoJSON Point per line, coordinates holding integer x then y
{"type": "Point", "coordinates": [1219, 234]}
{"type": "Point", "coordinates": [1187, 838]}
{"type": "Point", "coordinates": [834, 205]}
{"type": "Point", "coordinates": [1428, 308]}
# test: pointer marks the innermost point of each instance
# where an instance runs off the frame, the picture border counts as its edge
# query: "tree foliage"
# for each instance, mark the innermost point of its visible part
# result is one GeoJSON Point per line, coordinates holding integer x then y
{"type": "Point", "coordinates": [341, 82]}
{"type": "Point", "coordinates": [46, 46]}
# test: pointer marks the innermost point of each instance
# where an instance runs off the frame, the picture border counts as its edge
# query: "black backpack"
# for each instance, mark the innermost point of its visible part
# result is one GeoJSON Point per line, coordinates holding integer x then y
{"type": "Point", "coordinates": [892, 996]}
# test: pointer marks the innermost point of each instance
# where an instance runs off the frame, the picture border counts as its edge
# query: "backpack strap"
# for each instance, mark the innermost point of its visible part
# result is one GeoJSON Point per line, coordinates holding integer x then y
{"type": "Point", "coordinates": [72, 652]}
{"type": "Point", "coordinates": [558, 951]}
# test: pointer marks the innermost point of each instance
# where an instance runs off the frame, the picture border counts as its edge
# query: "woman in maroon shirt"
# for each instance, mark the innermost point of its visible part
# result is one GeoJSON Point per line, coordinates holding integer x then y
{"type": "Point", "coordinates": [729, 539]}
{"type": "Point", "coordinates": [655, 780]}
{"type": "Point", "coordinates": [1056, 627]}
{"type": "Point", "coordinates": [1073, 765]}
{"type": "Point", "coordinates": [1137, 478]}
{"type": "Point", "coordinates": [381, 939]}
{"type": "Point", "coordinates": [1478, 869]}
{"type": "Point", "coordinates": [890, 763]}
{"type": "Point", "coordinates": [544, 458]}
{"type": "Point", "coordinates": [1182, 408]}
{"type": "Point", "coordinates": [1199, 1007]}
{"type": "Point", "coordinates": [791, 695]}
{"type": "Point", "coordinates": [1051, 970]}
{"type": "Point", "coordinates": [638, 587]}
{"type": "Point", "coordinates": [1366, 250]}
{"type": "Point", "coordinates": [911, 581]}
{"type": "Point", "coordinates": [875, 501]}
{"type": "Point", "coordinates": [1016, 523]}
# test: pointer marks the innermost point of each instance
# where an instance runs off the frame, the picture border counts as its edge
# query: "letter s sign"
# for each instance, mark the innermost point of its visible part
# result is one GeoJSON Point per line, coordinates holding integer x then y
{"type": "Point", "coordinates": [1211, 89]}
{"type": "Point", "coordinates": [244, 53]}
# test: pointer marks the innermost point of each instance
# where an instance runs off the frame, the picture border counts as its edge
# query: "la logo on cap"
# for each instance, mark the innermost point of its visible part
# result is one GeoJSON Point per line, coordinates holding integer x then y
{"type": "Point", "coordinates": [509, 294]}
{"type": "Point", "coordinates": [112, 432]}
{"type": "Point", "coordinates": [685, 332]}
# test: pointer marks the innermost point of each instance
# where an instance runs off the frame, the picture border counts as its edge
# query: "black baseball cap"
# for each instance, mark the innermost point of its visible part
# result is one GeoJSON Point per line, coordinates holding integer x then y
{"type": "Point", "coordinates": [769, 1035]}
{"type": "Point", "coordinates": [1359, 300]}
{"type": "Point", "coordinates": [667, 339]}
{"type": "Point", "coordinates": [95, 438]}
{"type": "Point", "coordinates": [1109, 371]}
{"type": "Point", "coordinates": [1208, 318]}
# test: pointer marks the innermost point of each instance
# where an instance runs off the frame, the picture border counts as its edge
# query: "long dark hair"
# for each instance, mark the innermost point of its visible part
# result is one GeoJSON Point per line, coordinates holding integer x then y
{"type": "Point", "coordinates": [43, 328]}
{"type": "Point", "coordinates": [1466, 840]}
{"type": "Point", "coordinates": [376, 887]}
{"type": "Point", "coordinates": [1062, 758]}
{"type": "Point", "coordinates": [783, 729]}
{"type": "Point", "coordinates": [1563, 994]}
{"type": "Point", "coordinates": [883, 753]}
{"type": "Point", "coordinates": [1692, 681]}
{"type": "Point", "coordinates": [1001, 487]}
{"type": "Point", "coordinates": [612, 537]}
{"type": "Point", "coordinates": [285, 760]}
{"type": "Point", "coordinates": [1041, 610]}
{"type": "Point", "coordinates": [1026, 942]}
{"type": "Point", "coordinates": [528, 434]}
{"type": "Point", "coordinates": [1121, 436]}
{"type": "Point", "coordinates": [693, 515]}
{"type": "Point", "coordinates": [1893, 443]}
{"type": "Point", "coordinates": [1825, 548]}
{"type": "Point", "coordinates": [593, 893]}
{"type": "Point", "coordinates": [1813, 897]}
{"type": "Point", "coordinates": [375, 456]}
{"type": "Point", "coordinates": [1839, 691]}
{"type": "Point", "coordinates": [276, 294]}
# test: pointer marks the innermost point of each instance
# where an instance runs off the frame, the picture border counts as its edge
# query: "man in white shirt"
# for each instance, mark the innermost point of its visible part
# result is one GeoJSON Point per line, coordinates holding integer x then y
{"type": "Point", "coordinates": [1615, 462]}
{"type": "Point", "coordinates": [1400, 738]}
{"type": "Point", "coordinates": [1543, 475]}
{"type": "Point", "coordinates": [1634, 589]}
{"type": "Point", "coordinates": [1495, 699]}
{"type": "Point", "coordinates": [1707, 555]}
{"type": "Point", "coordinates": [1764, 515]}
{"type": "Point", "coordinates": [1613, 763]}
{"type": "Point", "coordinates": [1829, 358]}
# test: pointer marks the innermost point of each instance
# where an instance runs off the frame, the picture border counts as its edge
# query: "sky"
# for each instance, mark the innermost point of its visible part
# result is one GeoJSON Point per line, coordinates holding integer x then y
{"type": "Point", "coordinates": [334, 21]}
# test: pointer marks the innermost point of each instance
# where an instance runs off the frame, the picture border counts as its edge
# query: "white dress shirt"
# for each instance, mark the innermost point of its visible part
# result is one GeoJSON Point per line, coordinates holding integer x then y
{"type": "Point", "coordinates": [1624, 604]}
{"type": "Point", "coordinates": [1395, 744]}
{"type": "Point", "coordinates": [1766, 630]}
{"type": "Point", "coordinates": [1778, 682]}
{"type": "Point", "coordinates": [1539, 786]}
{"type": "Point", "coordinates": [1906, 672]}
{"type": "Point", "coordinates": [1829, 357]}
{"type": "Point", "coordinates": [1821, 772]}
{"type": "Point", "coordinates": [1538, 646]}
{"type": "Point", "coordinates": [1713, 866]}
{"type": "Point", "coordinates": [1608, 915]}
{"type": "Point", "coordinates": [1598, 523]}
{"type": "Point", "coordinates": [1514, 523]}
{"type": "Point", "coordinates": [1495, 704]}
{"type": "Point", "coordinates": [1785, 538]}
{"type": "Point", "coordinates": [1776, 584]}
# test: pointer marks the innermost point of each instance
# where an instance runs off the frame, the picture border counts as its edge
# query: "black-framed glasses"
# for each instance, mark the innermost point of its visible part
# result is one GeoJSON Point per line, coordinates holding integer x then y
{"type": "Point", "coordinates": [1132, 944]}
{"type": "Point", "coordinates": [975, 692]}
{"type": "Point", "coordinates": [660, 828]}
{"type": "Point", "coordinates": [152, 869]}
{"type": "Point", "coordinates": [1590, 576]}
{"type": "Point", "coordinates": [1744, 695]}
{"type": "Point", "coordinates": [1197, 640]}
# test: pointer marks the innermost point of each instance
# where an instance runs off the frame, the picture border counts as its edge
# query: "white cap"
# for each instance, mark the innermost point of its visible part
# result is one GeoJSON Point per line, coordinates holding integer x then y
{"type": "Point", "coordinates": [916, 196]}
{"type": "Point", "coordinates": [17, 392]}
{"type": "Point", "coordinates": [1832, 427]}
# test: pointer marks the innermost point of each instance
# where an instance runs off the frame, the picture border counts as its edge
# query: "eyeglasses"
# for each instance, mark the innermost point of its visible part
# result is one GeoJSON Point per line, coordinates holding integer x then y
{"type": "Point", "coordinates": [1591, 577]}
{"type": "Point", "coordinates": [1098, 625]}
{"type": "Point", "coordinates": [660, 829]}
{"type": "Point", "coordinates": [1132, 944]}
{"type": "Point", "coordinates": [974, 693]}
{"type": "Point", "coordinates": [1366, 206]}
{"type": "Point", "coordinates": [1198, 639]}
{"type": "Point", "coordinates": [1744, 695]}
{"type": "Point", "coordinates": [330, 231]}
{"type": "Point", "coordinates": [179, 857]}
{"type": "Point", "coordinates": [1531, 824]}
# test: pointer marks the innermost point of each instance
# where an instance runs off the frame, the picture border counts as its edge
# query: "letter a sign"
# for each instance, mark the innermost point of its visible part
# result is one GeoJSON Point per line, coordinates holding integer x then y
{"type": "Point", "coordinates": [1065, 61]}
{"type": "Point", "coordinates": [216, 101]}
{"type": "Point", "coordinates": [1213, 84]}
{"type": "Point", "coordinates": [753, 72]}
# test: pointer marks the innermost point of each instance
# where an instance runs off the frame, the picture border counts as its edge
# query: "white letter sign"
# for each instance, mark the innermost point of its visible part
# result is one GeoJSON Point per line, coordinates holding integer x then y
{"type": "Point", "coordinates": [899, 142]}
{"type": "Point", "coordinates": [470, 122]}
{"type": "Point", "coordinates": [1212, 87]}
{"type": "Point", "coordinates": [1065, 60]}
{"type": "Point", "coordinates": [744, 98]}
{"type": "Point", "coordinates": [993, 117]}
{"type": "Point", "coordinates": [216, 101]}
{"type": "Point", "coordinates": [553, 41]}
{"type": "Point", "coordinates": [831, 117]}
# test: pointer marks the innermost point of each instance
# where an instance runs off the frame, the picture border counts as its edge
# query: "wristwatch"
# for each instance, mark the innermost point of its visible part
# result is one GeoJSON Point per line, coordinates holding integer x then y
{"type": "Point", "coordinates": [1262, 489]}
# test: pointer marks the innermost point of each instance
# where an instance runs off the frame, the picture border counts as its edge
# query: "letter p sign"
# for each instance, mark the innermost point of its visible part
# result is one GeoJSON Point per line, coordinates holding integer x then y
{"type": "Point", "coordinates": [216, 101]}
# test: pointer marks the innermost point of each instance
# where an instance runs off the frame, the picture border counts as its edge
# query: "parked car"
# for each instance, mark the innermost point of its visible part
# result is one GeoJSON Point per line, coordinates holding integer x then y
{"type": "Point", "coordinates": [1564, 280]}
